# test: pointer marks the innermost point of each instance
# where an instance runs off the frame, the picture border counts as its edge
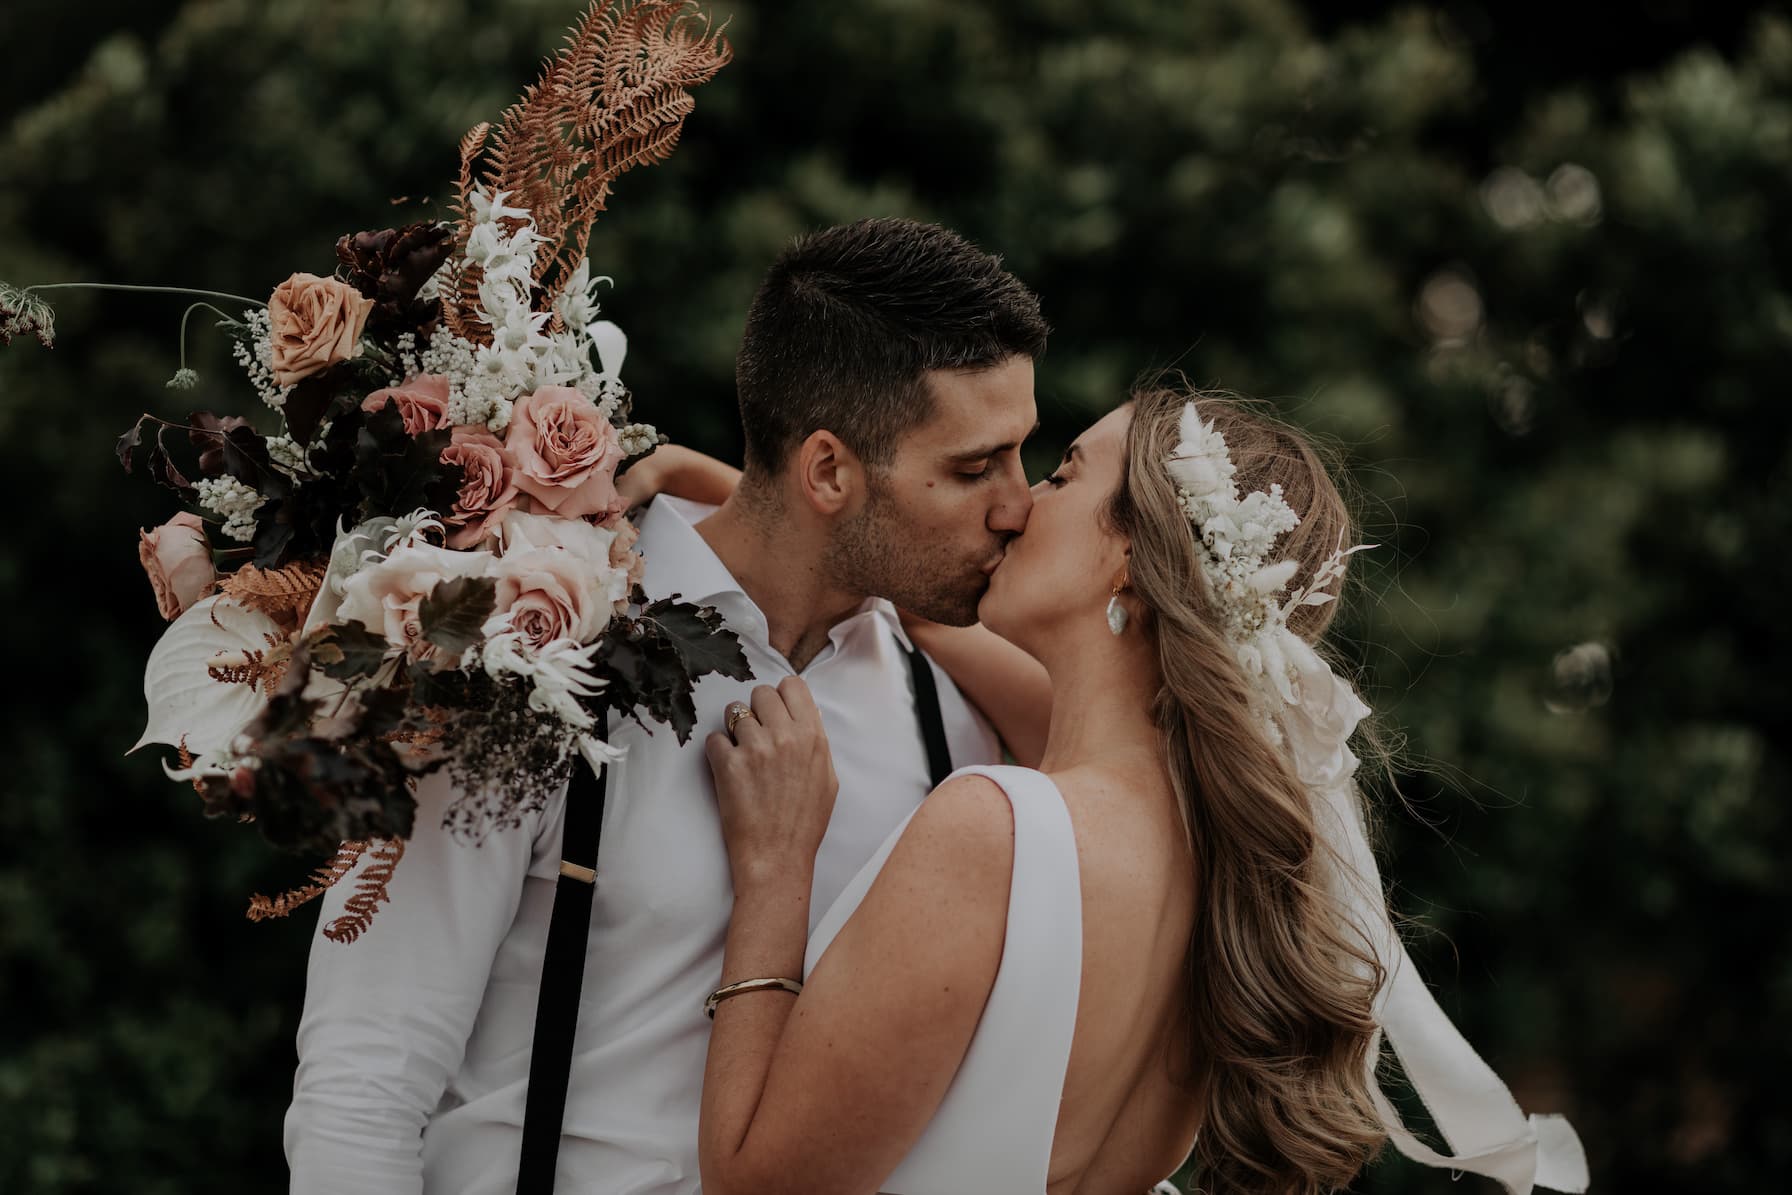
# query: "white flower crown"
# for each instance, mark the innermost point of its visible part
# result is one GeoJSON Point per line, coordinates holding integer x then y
{"type": "Point", "coordinates": [1239, 535]}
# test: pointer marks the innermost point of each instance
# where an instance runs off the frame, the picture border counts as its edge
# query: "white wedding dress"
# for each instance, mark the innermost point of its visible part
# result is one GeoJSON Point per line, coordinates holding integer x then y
{"type": "Point", "coordinates": [992, 1134]}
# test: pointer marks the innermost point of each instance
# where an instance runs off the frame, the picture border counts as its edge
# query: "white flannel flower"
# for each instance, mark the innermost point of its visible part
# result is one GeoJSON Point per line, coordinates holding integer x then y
{"type": "Point", "coordinates": [488, 209]}
{"type": "Point", "coordinates": [559, 672]}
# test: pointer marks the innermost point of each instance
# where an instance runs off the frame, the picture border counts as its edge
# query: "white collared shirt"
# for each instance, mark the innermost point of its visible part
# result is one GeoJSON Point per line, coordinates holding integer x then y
{"type": "Point", "coordinates": [414, 1043]}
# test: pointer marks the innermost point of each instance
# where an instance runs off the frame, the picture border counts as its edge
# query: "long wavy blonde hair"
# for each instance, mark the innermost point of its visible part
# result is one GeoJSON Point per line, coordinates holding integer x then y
{"type": "Point", "coordinates": [1279, 987]}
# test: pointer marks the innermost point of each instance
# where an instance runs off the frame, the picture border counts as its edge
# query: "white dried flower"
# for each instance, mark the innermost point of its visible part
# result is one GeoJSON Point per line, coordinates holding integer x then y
{"type": "Point", "coordinates": [232, 501]}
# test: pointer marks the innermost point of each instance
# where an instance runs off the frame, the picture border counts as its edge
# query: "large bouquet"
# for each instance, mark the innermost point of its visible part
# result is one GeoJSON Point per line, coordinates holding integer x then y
{"type": "Point", "coordinates": [424, 563]}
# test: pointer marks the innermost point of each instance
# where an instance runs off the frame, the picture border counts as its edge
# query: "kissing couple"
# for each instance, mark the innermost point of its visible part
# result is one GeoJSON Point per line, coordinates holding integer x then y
{"type": "Point", "coordinates": [839, 945]}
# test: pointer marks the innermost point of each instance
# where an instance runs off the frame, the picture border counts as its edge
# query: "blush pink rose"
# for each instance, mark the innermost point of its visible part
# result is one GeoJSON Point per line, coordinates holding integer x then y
{"type": "Point", "coordinates": [385, 596]}
{"type": "Point", "coordinates": [315, 323]}
{"type": "Point", "coordinates": [178, 559]}
{"type": "Point", "coordinates": [422, 401]}
{"type": "Point", "coordinates": [555, 579]}
{"type": "Point", "coordinates": [566, 453]}
{"type": "Point", "coordinates": [487, 488]}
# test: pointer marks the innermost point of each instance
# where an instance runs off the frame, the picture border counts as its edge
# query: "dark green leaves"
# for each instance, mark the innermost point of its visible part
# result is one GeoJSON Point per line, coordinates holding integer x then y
{"type": "Point", "coordinates": [350, 651]}
{"type": "Point", "coordinates": [397, 472]}
{"type": "Point", "coordinates": [451, 615]}
{"type": "Point", "coordinates": [652, 663]}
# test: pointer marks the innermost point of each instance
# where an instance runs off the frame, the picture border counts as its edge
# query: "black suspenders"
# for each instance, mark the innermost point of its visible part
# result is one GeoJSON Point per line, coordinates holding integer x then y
{"type": "Point", "coordinates": [563, 963]}
{"type": "Point", "coordinates": [562, 977]}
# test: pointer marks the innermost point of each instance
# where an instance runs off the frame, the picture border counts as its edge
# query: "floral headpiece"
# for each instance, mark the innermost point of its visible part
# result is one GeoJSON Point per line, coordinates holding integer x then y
{"type": "Point", "coordinates": [1311, 712]}
{"type": "Point", "coordinates": [1239, 535]}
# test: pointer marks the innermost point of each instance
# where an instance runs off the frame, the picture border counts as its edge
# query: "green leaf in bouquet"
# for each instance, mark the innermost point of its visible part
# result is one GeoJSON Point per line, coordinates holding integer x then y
{"type": "Point", "coordinates": [397, 472]}
{"type": "Point", "coordinates": [163, 469]}
{"type": "Point", "coordinates": [363, 651]}
{"type": "Point", "coordinates": [231, 447]}
{"type": "Point", "coordinates": [701, 638]}
{"type": "Point", "coordinates": [644, 674]}
{"type": "Point", "coordinates": [131, 441]}
{"type": "Point", "coordinates": [452, 613]}
{"type": "Point", "coordinates": [447, 687]}
{"type": "Point", "coordinates": [309, 401]}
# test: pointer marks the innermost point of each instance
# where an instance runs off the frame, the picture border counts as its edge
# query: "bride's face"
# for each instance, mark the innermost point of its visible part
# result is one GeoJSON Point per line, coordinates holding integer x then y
{"type": "Point", "coordinates": [1059, 572]}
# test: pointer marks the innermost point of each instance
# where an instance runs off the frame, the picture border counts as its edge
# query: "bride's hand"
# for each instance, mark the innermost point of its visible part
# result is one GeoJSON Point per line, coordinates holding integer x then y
{"type": "Point", "coordinates": [775, 784]}
{"type": "Point", "coordinates": [681, 472]}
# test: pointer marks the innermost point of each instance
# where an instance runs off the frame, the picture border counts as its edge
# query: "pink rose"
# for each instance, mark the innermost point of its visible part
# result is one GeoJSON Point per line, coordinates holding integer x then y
{"type": "Point", "coordinates": [315, 322]}
{"type": "Point", "coordinates": [385, 596]}
{"type": "Point", "coordinates": [487, 487]}
{"type": "Point", "coordinates": [555, 579]}
{"type": "Point", "coordinates": [178, 559]}
{"type": "Point", "coordinates": [423, 401]}
{"type": "Point", "coordinates": [565, 452]}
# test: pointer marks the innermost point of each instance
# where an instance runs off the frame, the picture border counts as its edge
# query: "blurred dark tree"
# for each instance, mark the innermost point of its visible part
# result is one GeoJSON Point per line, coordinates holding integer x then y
{"type": "Point", "coordinates": [1523, 265]}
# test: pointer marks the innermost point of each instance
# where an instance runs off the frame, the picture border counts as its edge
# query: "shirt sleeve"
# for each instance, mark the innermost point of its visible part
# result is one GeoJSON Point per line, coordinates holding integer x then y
{"type": "Point", "coordinates": [387, 1016]}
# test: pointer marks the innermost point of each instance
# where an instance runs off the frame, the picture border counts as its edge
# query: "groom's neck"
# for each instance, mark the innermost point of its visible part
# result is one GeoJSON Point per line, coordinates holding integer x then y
{"type": "Point", "coordinates": [779, 559]}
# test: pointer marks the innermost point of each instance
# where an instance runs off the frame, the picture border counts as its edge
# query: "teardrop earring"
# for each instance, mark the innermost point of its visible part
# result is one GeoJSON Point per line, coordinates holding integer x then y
{"type": "Point", "coordinates": [1116, 612]}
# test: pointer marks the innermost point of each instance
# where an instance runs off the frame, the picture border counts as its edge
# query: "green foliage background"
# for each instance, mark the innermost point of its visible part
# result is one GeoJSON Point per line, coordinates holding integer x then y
{"type": "Point", "coordinates": [1530, 270]}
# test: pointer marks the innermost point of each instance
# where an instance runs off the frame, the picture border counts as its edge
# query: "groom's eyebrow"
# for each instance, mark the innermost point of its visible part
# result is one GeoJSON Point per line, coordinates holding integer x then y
{"type": "Point", "coordinates": [994, 449]}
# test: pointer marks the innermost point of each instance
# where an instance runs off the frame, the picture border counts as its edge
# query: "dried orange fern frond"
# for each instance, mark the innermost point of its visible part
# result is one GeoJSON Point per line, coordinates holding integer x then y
{"type": "Point", "coordinates": [283, 594]}
{"type": "Point", "coordinates": [614, 97]}
{"type": "Point", "coordinates": [261, 908]}
{"type": "Point", "coordinates": [370, 893]}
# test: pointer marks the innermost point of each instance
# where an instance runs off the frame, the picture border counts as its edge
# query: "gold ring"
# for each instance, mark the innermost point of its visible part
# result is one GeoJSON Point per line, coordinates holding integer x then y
{"type": "Point", "coordinates": [734, 713]}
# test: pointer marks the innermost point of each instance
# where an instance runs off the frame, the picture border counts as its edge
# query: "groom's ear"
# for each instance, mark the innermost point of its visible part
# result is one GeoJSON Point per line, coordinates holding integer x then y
{"type": "Point", "coordinates": [828, 473]}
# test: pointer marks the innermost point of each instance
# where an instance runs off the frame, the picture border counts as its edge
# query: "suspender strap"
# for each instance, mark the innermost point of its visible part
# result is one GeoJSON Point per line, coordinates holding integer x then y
{"type": "Point", "coordinates": [562, 976]}
{"type": "Point", "coordinates": [563, 966]}
{"type": "Point", "coordinates": [927, 709]}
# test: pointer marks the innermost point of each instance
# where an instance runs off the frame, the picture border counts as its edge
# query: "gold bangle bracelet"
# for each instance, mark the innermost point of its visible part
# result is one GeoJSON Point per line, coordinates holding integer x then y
{"type": "Point", "coordinates": [792, 986]}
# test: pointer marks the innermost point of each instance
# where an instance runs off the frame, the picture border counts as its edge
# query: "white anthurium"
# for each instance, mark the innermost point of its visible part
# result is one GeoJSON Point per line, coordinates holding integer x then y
{"type": "Point", "coordinates": [186, 705]}
{"type": "Point", "coordinates": [612, 346]}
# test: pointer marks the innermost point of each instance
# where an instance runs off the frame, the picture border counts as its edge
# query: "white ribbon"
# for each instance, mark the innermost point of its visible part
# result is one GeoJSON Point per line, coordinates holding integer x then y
{"type": "Point", "coordinates": [1488, 1133]}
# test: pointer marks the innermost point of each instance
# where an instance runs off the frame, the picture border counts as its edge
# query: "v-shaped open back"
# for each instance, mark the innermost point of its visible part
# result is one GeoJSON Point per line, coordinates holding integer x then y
{"type": "Point", "coordinates": [993, 1130]}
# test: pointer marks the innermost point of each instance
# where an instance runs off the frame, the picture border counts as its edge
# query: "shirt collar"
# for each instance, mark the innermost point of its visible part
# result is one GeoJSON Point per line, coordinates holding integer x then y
{"type": "Point", "coordinates": [678, 560]}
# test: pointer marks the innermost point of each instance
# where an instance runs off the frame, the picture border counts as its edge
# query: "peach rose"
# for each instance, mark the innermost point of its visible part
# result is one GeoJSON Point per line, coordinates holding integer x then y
{"type": "Point", "coordinates": [315, 322]}
{"type": "Point", "coordinates": [487, 487]}
{"type": "Point", "coordinates": [555, 579]}
{"type": "Point", "coordinates": [386, 595]}
{"type": "Point", "coordinates": [178, 559]}
{"type": "Point", "coordinates": [423, 401]}
{"type": "Point", "coordinates": [565, 452]}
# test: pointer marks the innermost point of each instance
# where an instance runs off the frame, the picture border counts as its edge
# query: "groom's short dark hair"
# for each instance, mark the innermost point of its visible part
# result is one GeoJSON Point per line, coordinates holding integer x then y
{"type": "Point", "coordinates": [849, 320]}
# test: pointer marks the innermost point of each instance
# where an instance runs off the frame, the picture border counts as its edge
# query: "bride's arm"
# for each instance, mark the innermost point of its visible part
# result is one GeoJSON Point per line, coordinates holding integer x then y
{"type": "Point", "coordinates": [1002, 681]}
{"type": "Point", "coordinates": [1009, 686]}
{"type": "Point", "coordinates": [828, 1092]}
{"type": "Point", "coordinates": [679, 471]}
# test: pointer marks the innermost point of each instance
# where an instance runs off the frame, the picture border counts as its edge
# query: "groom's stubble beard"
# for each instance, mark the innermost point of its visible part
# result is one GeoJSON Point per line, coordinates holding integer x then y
{"type": "Point", "coordinates": [878, 552]}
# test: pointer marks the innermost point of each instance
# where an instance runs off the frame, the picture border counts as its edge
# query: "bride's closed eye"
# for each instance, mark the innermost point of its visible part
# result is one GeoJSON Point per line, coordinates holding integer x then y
{"type": "Point", "coordinates": [1053, 480]}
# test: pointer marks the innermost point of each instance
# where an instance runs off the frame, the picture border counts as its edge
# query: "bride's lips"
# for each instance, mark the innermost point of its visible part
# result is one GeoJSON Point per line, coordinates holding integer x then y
{"type": "Point", "coordinates": [995, 562]}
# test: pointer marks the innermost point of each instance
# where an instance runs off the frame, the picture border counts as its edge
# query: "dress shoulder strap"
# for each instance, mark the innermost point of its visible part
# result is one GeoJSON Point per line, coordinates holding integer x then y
{"type": "Point", "coordinates": [993, 1131]}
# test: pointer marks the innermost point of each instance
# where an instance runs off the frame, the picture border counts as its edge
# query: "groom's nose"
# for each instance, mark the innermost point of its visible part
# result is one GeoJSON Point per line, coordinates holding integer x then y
{"type": "Point", "coordinates": [1013, 502]}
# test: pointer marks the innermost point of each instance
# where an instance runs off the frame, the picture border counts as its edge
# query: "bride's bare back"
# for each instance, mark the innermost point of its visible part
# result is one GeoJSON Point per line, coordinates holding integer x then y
{"type": "Point", "coordinates": [1129, 1113]}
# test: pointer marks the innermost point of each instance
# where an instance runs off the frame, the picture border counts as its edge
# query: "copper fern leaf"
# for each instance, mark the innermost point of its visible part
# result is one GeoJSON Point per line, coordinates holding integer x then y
{"type": "Point", "coordinates": [261, 908]}
{"type": "Point", "coordinates": [614, 97]}
{"type": "Point", "coordinates": [370, 893]}
{"type": "Point", "coordinates": [284, 594]}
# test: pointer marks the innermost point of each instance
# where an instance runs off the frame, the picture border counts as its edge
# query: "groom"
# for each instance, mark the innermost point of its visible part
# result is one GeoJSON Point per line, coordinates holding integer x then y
{"type": "Point", "coordinates": [885, 383]}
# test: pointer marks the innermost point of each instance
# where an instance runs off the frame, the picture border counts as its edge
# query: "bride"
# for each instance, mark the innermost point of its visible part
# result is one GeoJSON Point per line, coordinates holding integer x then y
{"type": "Point", "coordinates": [1167, 935]}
